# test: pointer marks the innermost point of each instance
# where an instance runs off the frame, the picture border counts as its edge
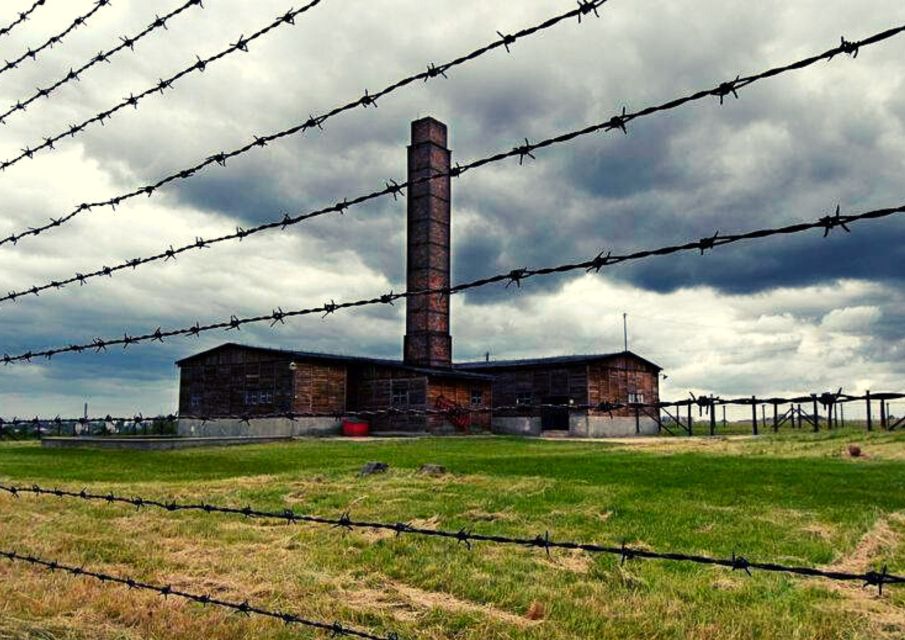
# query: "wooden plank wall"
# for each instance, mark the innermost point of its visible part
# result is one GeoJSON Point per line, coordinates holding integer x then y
{"type": "Point", "coordinates": [457, 392]}
{"type": "Point", "coordinates": [216, 384]}
{"type": "Point", "coordinates": [372, 388]}
{"type": "Point", "coordinates": [543, 383]}
{"type": "Point", "coordinates": [613, 381]}
{"type": "Point", "coordinates": [319, 387]}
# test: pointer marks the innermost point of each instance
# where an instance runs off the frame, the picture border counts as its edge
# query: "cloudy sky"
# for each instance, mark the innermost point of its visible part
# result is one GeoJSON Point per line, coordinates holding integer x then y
{"type": "Point", "coordinates": [784, 316]}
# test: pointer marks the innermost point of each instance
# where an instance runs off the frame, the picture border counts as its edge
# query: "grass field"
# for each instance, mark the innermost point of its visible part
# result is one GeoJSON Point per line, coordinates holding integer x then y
{"type": "Point", "coordinates": [796, 498]}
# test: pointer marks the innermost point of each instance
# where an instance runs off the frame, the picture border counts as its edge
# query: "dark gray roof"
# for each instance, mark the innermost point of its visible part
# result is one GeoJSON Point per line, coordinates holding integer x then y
{"type": "Point", "coordinates": [331, 357]}
{"type": "Point", "coordinates": [554, 360]}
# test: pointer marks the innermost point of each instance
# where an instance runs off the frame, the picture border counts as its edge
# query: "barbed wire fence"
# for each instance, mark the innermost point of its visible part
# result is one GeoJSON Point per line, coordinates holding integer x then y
{"type": "Point", "coordinates": [22, 17]}
{"type": "Point", "coordinates": [133, 100]}
{"type": "Point", "coordinates": [313, 122]}
{"type": "Point", "coordinates": [514, 277]}
{"type": "Point", "coordinates": [333, 628]}
{"type": "Point", "coordinates": [32, 53]}
{"type": "Point", "coordinates": [126, 42]}
{"type": "Point", "coordinates": [704, 404]}
{"type": "Point", "coordinates": [466, 537]}
{"type": "Point", "coordinates": [617, 122]}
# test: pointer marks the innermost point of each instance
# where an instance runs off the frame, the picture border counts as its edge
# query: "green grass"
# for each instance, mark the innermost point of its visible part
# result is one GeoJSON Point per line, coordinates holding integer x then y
{"type": "Point", "coordinates": [794, 498]}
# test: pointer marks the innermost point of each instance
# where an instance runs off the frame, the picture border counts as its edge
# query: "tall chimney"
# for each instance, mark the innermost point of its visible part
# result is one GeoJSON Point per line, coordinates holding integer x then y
{"type": "Point", "coordinates": [427, 339]}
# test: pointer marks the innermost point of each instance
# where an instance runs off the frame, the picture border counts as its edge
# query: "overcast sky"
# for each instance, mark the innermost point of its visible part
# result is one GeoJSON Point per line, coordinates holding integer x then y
{"type": "Point", "coordinates": [782, 316]}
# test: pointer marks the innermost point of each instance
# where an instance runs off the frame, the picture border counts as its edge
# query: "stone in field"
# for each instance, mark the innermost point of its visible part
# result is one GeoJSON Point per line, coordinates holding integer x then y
{"type": "Point", "coordinates": [374, 467]}
{"type": "Point", "coordinates": [432, 469]}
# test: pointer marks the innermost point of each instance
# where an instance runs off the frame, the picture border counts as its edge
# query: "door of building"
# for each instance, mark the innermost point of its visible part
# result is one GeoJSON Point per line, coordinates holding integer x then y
{"type": "Point", "coordinates": [555, 418]}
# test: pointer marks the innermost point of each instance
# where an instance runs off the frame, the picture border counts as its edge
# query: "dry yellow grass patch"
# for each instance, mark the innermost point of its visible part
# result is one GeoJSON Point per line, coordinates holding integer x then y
{"type": "Point", "coordinates": [407, 603]}
{"type": "Point", "coordinates": [819, 530]}
{"type": "Point", "coordinates": [886, 619]}
{"type": "Point", "coordinates": [573, 560]}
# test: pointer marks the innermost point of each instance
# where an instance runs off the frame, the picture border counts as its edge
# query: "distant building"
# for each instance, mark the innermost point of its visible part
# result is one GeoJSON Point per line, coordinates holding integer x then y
{"type": "Point", "coordinates": [233, 382]}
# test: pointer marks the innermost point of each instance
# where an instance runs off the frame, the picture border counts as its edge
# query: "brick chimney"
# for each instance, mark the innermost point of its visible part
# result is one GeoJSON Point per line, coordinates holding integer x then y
{"type": "Point", "coordinates": [427, 339]}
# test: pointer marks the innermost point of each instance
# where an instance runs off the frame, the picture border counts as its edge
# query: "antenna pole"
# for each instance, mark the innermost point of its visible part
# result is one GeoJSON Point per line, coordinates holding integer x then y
{"type": "Point", "coordinates": [625, 329]}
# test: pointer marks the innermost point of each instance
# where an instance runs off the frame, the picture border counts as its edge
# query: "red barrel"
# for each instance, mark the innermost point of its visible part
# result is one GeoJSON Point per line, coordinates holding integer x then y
{"type": "Point", "coordinates": [355, 428]}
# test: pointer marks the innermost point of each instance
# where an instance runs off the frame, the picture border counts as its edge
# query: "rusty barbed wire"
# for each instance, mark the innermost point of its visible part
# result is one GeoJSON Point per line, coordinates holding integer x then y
{"type": "Point", "coordinates": [334, 628]}
{"type": "Point", "coordinates": [585, 7]}
{"type": "Point", "coordinates": [56, 39]}
{"type": "Point", "coordinates": [513, 277]}
{"type": "Point", "coordinates": [161, 86]}
{"type": "Point", "coordinates": [467, 537]}
{"type": "Point", "coordinates": [395, 188]}
{"type": "Point", "coordinates": [126, 42]}
{"type": "Point", "coordinates": [22, 17]}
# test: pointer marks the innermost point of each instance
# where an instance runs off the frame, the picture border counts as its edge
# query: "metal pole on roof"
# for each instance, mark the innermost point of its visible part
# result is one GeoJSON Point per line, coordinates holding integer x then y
{"type": "Point", "coordinates": [625, 329]}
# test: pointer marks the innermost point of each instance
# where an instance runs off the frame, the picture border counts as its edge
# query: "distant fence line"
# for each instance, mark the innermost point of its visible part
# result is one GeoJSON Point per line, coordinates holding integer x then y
{"type": "Point", "coordinates": [668, 415]}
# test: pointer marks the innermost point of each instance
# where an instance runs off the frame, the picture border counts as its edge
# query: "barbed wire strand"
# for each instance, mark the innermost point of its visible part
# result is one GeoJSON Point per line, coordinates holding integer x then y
{"type": "Point", "coordinates": [395, 188]}
{"type": "Point", "coordinates": [824, 399]}
{"type": "Point", "coordinates": [513, 277]}
{"type": "Point", "coordinates": [314, 122]}
{"type": "Point", "coordinates": [465, 536]}
{"type": "Point", "coordinates": [161, 86]}
{"type": "Point", "coordinates": [32, 54]}
{"type": "Point", "coordinates": [126, 42]}
{"type": "Point", "coordinates": [334, 629]}
{"type": "Point", "coordinates": [22, 17]}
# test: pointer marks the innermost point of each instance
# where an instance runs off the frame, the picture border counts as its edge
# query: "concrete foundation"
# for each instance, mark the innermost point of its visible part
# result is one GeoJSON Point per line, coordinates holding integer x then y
{"type": "Point", "coordinates": [152, 444]}
{"type": "Point", "coordinates": [265, 427]}
{"type": "Point", "coordinates": [516, 426]}
{"type": "Point", "coordinates": [583, 426]}
{"type": "Point", "coordinates": [580, 426]}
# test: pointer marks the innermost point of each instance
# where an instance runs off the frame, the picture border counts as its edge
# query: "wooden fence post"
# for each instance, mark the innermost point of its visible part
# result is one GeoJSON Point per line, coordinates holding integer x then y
{"type": "Point", "coordinates": [775, 417]}
{"type": "Point", "coordinates": [816, 416]}
{"type": "Point", "coordinates": [690, 424]}
{"type": "Point", "coordinates": [712, 416]}
{"type": "Point", "coordinates": [870, 423]}
{"type": "Point", "coordinates": [637, 420]}
{"type": "Point", "coordinates": [754, 414]}
{"type": "Point", "coordinates": [883, 418]}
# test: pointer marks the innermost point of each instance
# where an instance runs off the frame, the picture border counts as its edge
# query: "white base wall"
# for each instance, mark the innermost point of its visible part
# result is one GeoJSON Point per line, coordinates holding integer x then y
{"type": "Point", "coordinates": [516, 426]}
{"type": "Point", "coordinates": [582, 426]}
{"type": "Point", "coordinates": [279, 427]}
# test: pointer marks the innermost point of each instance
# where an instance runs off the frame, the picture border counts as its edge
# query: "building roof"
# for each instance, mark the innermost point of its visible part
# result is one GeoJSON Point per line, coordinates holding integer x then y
{"type": "Point", "coordinates": [555, 360]}
{"type": "Point", "coordinates": [330, 357]}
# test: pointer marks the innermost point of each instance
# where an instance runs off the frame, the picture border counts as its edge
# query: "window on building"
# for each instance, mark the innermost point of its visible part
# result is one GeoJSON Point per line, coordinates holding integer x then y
{"type": "Point", "coordinates": [195, 400]}
{"type": "Point", "coordinates": [400, 395]}
{"type": "Point", "coordinates": [477, 398]}
{"type": "Point", "coordinates": [417, 393]}
{"type": "Point", "coordinates": [256, 397]}
{"type": "Point", "coordinates": [636, 398]}
{"type": "Point", "coordinates": [524, 397]}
